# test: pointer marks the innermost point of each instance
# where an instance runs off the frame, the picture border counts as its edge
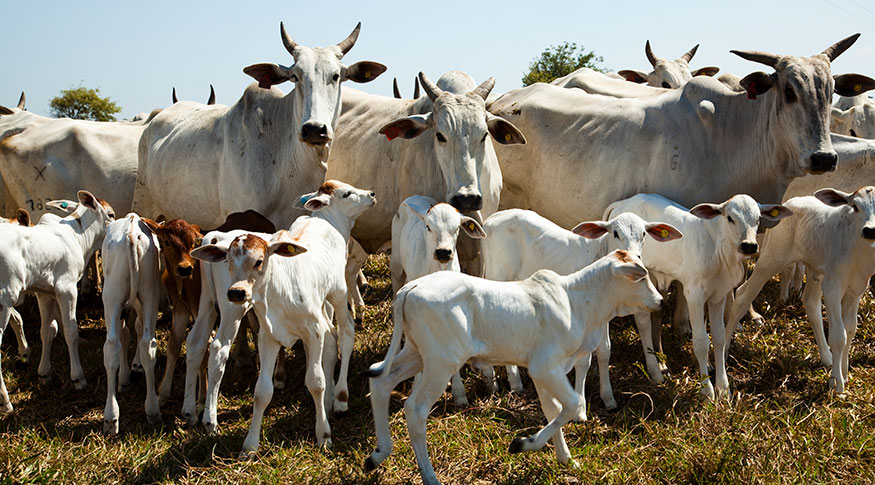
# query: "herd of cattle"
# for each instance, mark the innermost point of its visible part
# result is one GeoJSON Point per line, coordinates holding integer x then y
{"type": "Point", "coordinates": [676, 178]}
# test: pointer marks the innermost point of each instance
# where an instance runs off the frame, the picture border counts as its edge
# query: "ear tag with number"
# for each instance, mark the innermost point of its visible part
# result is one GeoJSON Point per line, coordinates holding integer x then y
{"type": "Point", "coordinates": [291, 249]}
{"type": "Point", "coordinates": [664, 233]}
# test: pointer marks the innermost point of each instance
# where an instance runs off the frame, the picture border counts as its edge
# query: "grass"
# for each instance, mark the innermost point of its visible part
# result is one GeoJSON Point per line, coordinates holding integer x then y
{"type": "Point", "coordinates": [781, 425]}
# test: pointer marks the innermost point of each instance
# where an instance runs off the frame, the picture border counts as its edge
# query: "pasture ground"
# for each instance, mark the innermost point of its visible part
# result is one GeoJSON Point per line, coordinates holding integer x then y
{"type": "Point", "coordinates": [782, 424]}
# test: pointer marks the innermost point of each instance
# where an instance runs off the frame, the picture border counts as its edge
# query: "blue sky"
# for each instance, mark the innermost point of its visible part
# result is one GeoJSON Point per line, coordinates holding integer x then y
{"type": "Point", "coordinates": [136, 51]}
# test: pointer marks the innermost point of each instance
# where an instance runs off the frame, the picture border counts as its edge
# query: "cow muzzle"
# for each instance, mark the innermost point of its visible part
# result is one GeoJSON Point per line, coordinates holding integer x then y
{"type": "Point", "coordinates": [443, 255]}
{"type": "Point", "coordinates": [236, 295]}
{"type": "Point", "coordinates": [467, 202]}
{"type": "Point", "coordinates": [748, 248]}
{"type": "Point", "coordinates": [315, 133]}
{"type": "Point", "coordinates": [869, 233]}
{"type": "Point", "coordinates": [184, 271]}
{"type": "Point", "coordinates": [822, 162]}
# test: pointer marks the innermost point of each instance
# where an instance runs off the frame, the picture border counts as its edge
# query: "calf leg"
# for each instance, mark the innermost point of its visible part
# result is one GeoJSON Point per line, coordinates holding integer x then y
{"type": "Point", "coordinates": [811, 299]}
{"type": "Point", "coordinates": [346, 341]}
{"type": "Point", "coordinates": [148, 352]}
{"type": "Point", "coordinates": [581, 369]}
{"type": "Point", "coordinates": [606, 390]}
{"type": "Point", "coordinates": [645, 332]}
{"type": "Point", "coordinates": [701, 342]}
{"type": "Point", "coordinates": [427, 389]}
{"type": "Point", "coordinates": [195, 346]}
{"type": "Point", "coordinates": [513, 378]}
{"type": "Point", "coordinates": [67, 303]}
{"type": "Point", "coordinates": [243, 355]}
{"type": "Point", "coordinates": [551, 408]}
{"type": "Point", "coordinates": [112, 356]}
{"type": "Point", "coordinates": [718, 332]}
{"type": "Point", "coordinates": [5, 403]}
{"type": "Point", "coordinates": [220, 347]}
{"type": "Point", "coordinates": [457, 387]}
{"type": "Point", "coordinates": [180, 322]}
{"type": "Point", "coordinates": [838, 337]}
{"type": "Point", "coordinates": [17, 324]}
{"type": "Point", "coordinates": [268, 348]}
{"type": "Point", "coordinates": [315, 380]}
{"type": "Point", "coordinates": [850, 306]}
{"type": "Point", "coordinates": [48, 332]}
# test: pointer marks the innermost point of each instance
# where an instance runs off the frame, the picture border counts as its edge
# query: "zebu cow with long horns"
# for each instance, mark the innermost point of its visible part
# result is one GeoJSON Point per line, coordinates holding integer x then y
{"type": "Point", "coordinates": [668, 74]}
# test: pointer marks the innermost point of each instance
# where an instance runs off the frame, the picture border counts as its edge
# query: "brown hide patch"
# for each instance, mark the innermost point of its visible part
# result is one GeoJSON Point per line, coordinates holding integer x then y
{"type": "Point", "coordinates": [104, 203]}
{"type": "Point", "coordinates": [328, 187]}
{"type": "Point", "coordinates": [623, 256]}
{"type": "Point", "coordinates": [342, 397]}
{"type": "Point", "coordinates": [250, 242]}
{"type": "Point", "coordinates": [861, 190]}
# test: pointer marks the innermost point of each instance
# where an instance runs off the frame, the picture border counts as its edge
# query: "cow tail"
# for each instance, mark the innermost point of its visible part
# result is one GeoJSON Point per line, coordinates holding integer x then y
{"type": "Point", "coordinates": [133, 259]}
{"type": "Point", "coordinates": [397, 331]}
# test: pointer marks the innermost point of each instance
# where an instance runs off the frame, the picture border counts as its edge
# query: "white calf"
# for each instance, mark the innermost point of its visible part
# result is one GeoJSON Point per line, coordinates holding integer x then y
{"type": "Point", "coordinates": [131, 276]}
{"type": "Point", "coordinates": [22, 218]}
{"type": "Point", "coordinates": [289, 296]}
{"type": "Point", "coordinates": [707, 261]}
{"type": "Point", "coordinates": [546, 323]}
{"type": "Point", "coordinates": [49, 259]}
{"type": "Point", "coordinates": [521, 242]}
{"type": "Point", "coordinates": [424, 234]}
{"type": "Point", "coordinates": [833, 233]}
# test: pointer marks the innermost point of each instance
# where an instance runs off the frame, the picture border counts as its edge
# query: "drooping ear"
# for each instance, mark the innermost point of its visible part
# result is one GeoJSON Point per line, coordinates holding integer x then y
{"type": "Point", "coordinates": [709, 71]}
{"type": "Point", "coordinates": [634, 76]}
{"type": "Point", "coordinates": [267, 74]}
{"type": "Point", "coordinates": [663, 232]}
{"type": "Point", "coordinates": [833, 197]}
{"type": "Point", "coordinates": [23, 217]}
{"type": "Point", "coordinates": [774, 212]}
{"type": "Point", "coordinates": [706, 211]}
{"type": "Point", "coordinates": [211, 253]}
{"type": "Point", "coordinates": [407, 128]}
{"type": "Point", "coordinates": [853, 84]}
{"type": "Point", "coordinates": [633, 271]}
{"type": "Point", "coordinates": [286, 248]}
{"type": "Point", "coordinates": [88, 199]}
{"type": "Point", "coordinates": [591, 229]}
{"type": "Point", "coordinates": [839, 120]}
{"type": "Point", "coordinates": [756, 83]}
{"type": "Point", "coordinates": [504, 131]}
{"type": "Point", "coordinates": [63, 205]}
{"type": "Point", "coordinates": [317, 202]}
{"type": "Point", "coordinates": [472, 228]}
{"type": "Point", "coordinates": [364, 71]}
{"type": "Point", "coordinates": [153, 226]}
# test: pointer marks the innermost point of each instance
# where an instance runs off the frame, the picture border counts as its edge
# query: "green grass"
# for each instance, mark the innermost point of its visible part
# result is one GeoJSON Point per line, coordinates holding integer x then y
{"type": "Point", "coordinates": [781, 425]}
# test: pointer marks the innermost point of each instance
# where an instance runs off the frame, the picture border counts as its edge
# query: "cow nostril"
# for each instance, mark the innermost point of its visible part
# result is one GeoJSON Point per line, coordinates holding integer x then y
{"type": "Point", "coordinates": [236, 295]}
{"type": "Point", "coordinates": [184, 271]}
{"type": "Point", "coordinates": [749, 248]}
{"type": "Point", "coordinates": [869, 232]}
{"type": "Point", "coordinates": [373, 194]}
{"type": "Point", "coordinates": [443, 255]}
{"type": "Point", "coordinates": [823, 162]}
{"type": "Point", "coordinates": [467, 202]}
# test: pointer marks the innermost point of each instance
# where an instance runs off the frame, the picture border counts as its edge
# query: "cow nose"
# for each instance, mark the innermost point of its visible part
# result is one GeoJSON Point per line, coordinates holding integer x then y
{"type": "Point", "coordinates": [467, 202]}
{"type": "Point", "coordinates": [823, 162]}
{"type": "Point", "coordinates": [869, 232]}
{"type": "Point", "coordinates": [373, 194]}
{"type": "Point", "coordinates": [315, 133]}
{"type": "Point", "coordinates": [443, 255]}
{"type": "Point", "coordinates": [749, 248]}
{"type": "Point", "coordinates": [236, 295]}
{"type": "Point", "coordinates": [183, 271]}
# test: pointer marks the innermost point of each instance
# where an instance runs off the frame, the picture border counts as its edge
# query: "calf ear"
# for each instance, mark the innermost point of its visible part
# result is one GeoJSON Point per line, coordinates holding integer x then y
{"type": "Point", "coordinates": [316, 202]}
{"type": "Point", "coordinates": [267, 74]}
{"type": "Point", "coordinates": [591, 230]}
{"type": "Point", "coordinates": [211, 253]}
{"type": "Point", "coordinates": [634, 76]}
{"type": "Point", "coordinates": [472, 228]}
{"type": "Point", "coordinates": [709, 71]}
{"type": "Point", "coordinates": [633, 271]}
{"type": "Point", "coordinates": [706, 211]}
{"type": "Point", "coordinates": [774, 212]}
{"type": "Point", "coordinates": [23, 217]}
{"type": "Point", "coordinates": [838, 120]}
{"type": "Point", "coordinates": [407, 128]}
{"type": "Point", "coordinates": [152, 225]}
{"type": "Point", "coordinates": [88, 199]}
{"type": "Point", "coordinates": [853, 84]}
{"type": "Point", "coordinates": [364, 71]}
{"type": "Point", "coordinates": [833, 197]}
{"type": "Point", "coordinates": [64, 205]}
{"type": "Point", "coordinates": [504, 131]}
{"type": "Point", "coordinates": [663, 232]}
{"type": "Point", "coordinates": [756, 83]}
{"type": "Point", "coordinates": [286, 248]}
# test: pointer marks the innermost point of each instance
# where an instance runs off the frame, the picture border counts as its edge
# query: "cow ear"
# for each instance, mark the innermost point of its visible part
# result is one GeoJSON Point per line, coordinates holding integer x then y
{"type": "Point", "coordinates": [838, 120]}
{"type": "Point", "coordinates": [663, 232]}
{"type": "Point", "coordinates": [706, 211]}
{"type": "Point", "coordinates": [23, 217]}
{"type": "Point", "coordinates": [364, 71]}
{"type": "Point", "coordinates": [774, 212]}
{"type": "Point", "coordinates": [286, 248]}
{"type": "Point", "coordinates": [407, 128]}
{"type": "Point", "coordinates": [634, 76]}
{"type": "Point", "coordinates": [853, 84]}
{"type": "Point", "coordinates": [756, 83]}
{"type": "Point", "coordinates": [88, 199]}
{"type": "Point", "coordinates": [5, 111]}
{"type": "Point", "coordinates": [267, 74]}
{"type": "Point", "coordinates": [152, 225]}
{"type": "Point", "coordinates": [211, 253]}
{"type": "Point", "coordinates": [591, 230]}
{"type": "Point", "coordinates": [317, 202]}
{"type": "Point", "coordinates": [64, 205]}
{"type": "Point", "coordinates": [709, 71]}
{"type": "Point", "coordinates": [504, 131]}
{"type": "Point", "coordinates": [833, 197]}
{"type": "Point", "coordinates": [633, 271]}
{"type": "Point", "coordinates": [472, 228]}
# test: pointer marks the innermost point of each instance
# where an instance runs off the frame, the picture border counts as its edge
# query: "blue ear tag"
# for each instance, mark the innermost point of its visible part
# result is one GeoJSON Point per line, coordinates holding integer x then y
{"type": "Point", "coordinates": [63, 205]}
{"type": "Point", "coordinates": [304, 199]}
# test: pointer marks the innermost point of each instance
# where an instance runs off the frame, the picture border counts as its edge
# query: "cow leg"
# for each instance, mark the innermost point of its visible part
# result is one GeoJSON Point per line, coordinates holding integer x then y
{"type": "Point", "coordinates": [796, 285]}
{"type": "Point", "coordinates": [124, 367]}
{"type": "Point", "coordinates": [606, 390]}
{"type": "Point", "coordinates": [645, 333]}
{"type": "Point", "coordinates": [112, 357]}
{"type": "Point", "coordinates": [551, 383]}
{"type": "Point", "coordinates": [457, 387]}
{"type": "Point", "coordinates": [681, 317]}
{"type": "Point", "coordinates": [551, 408]}
{"type": "Point", "coordinates": [48, 332]}
{"type": "Point", "coordinates": [701, 342]}
{"type": "Point", "coordinates": [67, 303]}
{"type": "Point", "coordinates": [5, 402]}
{"type": "Point", "coordinates": [329, 362]}
{"type": "Point", "coordinates": [148, 353]}
{"type": "Point", "coordinates": [811, 299]}
{"type": "Point", "coordinates": [220, 347]}
{"type": "Point", "coordinates": [243, 355]}
{"type": "Point", "coordinates": [838, 338]}
{"type": "Point", "coordinates": [787, 276]}
{"type": "Point", "coordinates": [137, 362]}
{"type": "Point", "coordinates": [315, 379]}
{"type": "Point", "coordinates": [180, 322]}
{"type": "Point", "coordinates": [346, 341]}
{"type": "Point", "coordinates": [513, 378]}
{"type": "Point", "coordinates": [581, 369]}
{"type": "Point", "coordinates": [268, 347]}
{"type": "Point", "coordinates": [716, 309]}
{"type": "Point", "coordinates": [427, 389]}
{"type": "Point", "coordinates": [850, 306]}
{"type": "Point", "coordinates": [195, 346]}
{"type": "Point", "coordinates": [17, 324]}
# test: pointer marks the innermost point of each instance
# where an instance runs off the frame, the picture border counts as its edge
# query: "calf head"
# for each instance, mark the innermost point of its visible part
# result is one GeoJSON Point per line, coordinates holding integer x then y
{"type": "Point", "coordinates": [92, 207]}
{"type": "Point", "coordinates": [460, 126]}
{"type": "Point", "coordinates": [739, 219]}
{"type": "Point", "coordinates": [336, 198]}
{"type": "Point", "coordinates": [247, 257]}
{"type": "Point", "coordinates": [668, 74]}
{"type": "Point", "coordinates": [317, 74]}
{"type": "Point", "coordinates": [442, 223]}
{"type": "Point", "coordinates": [177, 239]}
{"type": "Point", "coordinates": [631, 290]}
{"type": "Point", "coordinates": [18, 109]}
{"type": "Point", "coordinates": [627, 232]}
{"type": "Point", "coordinates": [803, 96]}
{"type": "Point", "coordinates": [861, 203]}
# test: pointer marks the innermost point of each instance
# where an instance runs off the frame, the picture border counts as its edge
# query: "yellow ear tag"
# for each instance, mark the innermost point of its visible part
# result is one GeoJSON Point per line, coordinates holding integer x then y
{"type": "Point", "coordinates": [774, 212]}
{"type": "Point", "coordinates": [858, 88]}
{"type": "Point", "coordinates": [664, 233]}
{"type": "Point", "coordinates": [368, 75]}
{"type": "Point", "coordinates": [198, 241]}
{"type": "Point", "coordinates": [291, 249]}
{"type": "Point", "coordinates": [471, 226]}
{"type": "Point", "coordinates": [507, 137]}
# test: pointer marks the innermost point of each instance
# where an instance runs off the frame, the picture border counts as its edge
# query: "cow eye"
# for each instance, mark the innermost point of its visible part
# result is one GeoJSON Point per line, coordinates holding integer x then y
{"type": "Point", "coordinates": [666, 85]}
{"type": "Point", "coordinates": [616, 235]}
{"type": "Point", "coordinates": [346, 195]}
{"type": "Point", "coordinates": [258, 263]}
{"type": "Point", "coordinates": [427, 228]}
{"type": "Point", "coordinates": [730, 219]}
{"type": "Point", "coordinates": [484, 138]}
{"type": "Point", "coordinates": [789, 94]}
{"type": "Point", "coordinates": [293, 78]}
{"type": "Point", "coordinates": [111, 215]}
{"type": "Point", "coordinates": [856, 209]}
{"type": "Point", "coordinates": [335, 77]}
{"type": "Point", "coordinates": [440, 138]}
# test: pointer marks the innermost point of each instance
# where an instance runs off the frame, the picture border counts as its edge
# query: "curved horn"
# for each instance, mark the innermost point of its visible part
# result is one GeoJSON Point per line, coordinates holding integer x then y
{"type": "Point", "coordinates": [836, 49]}
{"type": "Point", "coordinates": [212, 99]}
{"type": "Point", "coordinates": [21, 101]}
{"type": "Point", "coordinates": [650, 56]}
{"type": "Point", "coordinates": [689, 55]}
{"type": "Point", "coordinates": [347, 43]}
{"type": "Point", "coordinates": [173, 96]}
{"type": "Point", "coordinates": [431, 90]}
{"type": "Point", "coordinates": [287, 41]}
{"type": "Point", "coordinates": [770, 60]}
{"type": "Point", "coordinates": [484, 88]}
{"type": "Point", "coordinates": [415, 88]}
{"type": "Point", "coordinates": [395, 91]}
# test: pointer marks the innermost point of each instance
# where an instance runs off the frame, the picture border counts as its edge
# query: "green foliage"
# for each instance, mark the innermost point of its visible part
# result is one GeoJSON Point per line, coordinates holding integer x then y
{"type": "Point", "coordinates": [558, 60]}
{"type": "Point", "coordinates": [83, 104]}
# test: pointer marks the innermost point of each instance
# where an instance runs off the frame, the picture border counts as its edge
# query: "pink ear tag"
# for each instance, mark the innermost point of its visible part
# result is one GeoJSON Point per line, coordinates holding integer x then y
{"type": "Point", "coordinates": [752, 91]}
{"type": "Point", "coordinates": [392, 133]}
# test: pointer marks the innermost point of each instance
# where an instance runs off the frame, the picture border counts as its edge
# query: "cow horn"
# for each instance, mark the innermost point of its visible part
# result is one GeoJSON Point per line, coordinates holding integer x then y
{"type": "Point", "coordinates": [347, 43]}
{"type": "Point", "coordinates": [290, 44]}
{"type": "Point", "coordinates": [689, 55]}
{"type": "Point", "coordinates": [395, 91]}
{"type": "Point", "coordinates": [173, 96]}
{"type": "Point", "coordinates": [484, 88]}
{"type": "Point", "coordinates": [21, 101]}
{"type": "Point", "coordinates": [212, 99]}
{"type": "Point", "coordinates": [836, 49]}
{"type": "Point", "coordinates": [431, 90]}
{"type": "Point", "coordinates": [770, 60]}
{"type": "Point", "coordinates": [649, 52]}
{"type": "Point", "coordinates": [415, 88]}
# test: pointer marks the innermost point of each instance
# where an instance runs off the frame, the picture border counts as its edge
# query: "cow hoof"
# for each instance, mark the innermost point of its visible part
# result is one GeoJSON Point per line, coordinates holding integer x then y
{"type": "Point", "coordinates": [611, 405]}
{"type": "Point", "coordinates": [326, 445]}
{"type": "Point", "coordinates": [21, 361]}
{"type": "Point", "coordinates": [516, 446]}
{"type": "Point", "coordinates": [358, 321]}
{"type": "Point", "coordinates": [6, 408]}
{"type": "Point", "coordinates": [45, 380]}
{"type": "Point", "coordinates": [580, 418]}
{"type": "Point", "coordinates": [190, 419]}
{"type": "Point", "coordinates": [110, 427]}
{"type": "Point", "coordinates": [340, 407]}
{"type": "Point", "coordinates": [658, 378]}
{"type": "Point", "coordinates": [80, 384]}
{"type": "Point", "coordinates": [153, 418]}
{"type": "Point", "coordinates": [279, 385]}
{"type": "Point", "coordinates": [210, 428]}
{"type": "Point", "coordinates": [245, 455]}
{"type": "Point", "coordinates": [370, 464]}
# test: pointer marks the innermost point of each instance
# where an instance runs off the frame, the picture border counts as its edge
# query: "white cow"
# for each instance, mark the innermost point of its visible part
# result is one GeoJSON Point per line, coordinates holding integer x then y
{"type": "Point", "coordinates": [49, 260]}
{"type": "Point", "coordinates": [289, 297]}
{"type": "Point", "coordinates": [522, 242]}
{"type": "Point", "coordinates": [833, 233]}
{"type": "Point", "coordinates": [707, 261]}
{"type": "Point", "coordinates": [589, 151]}
{"type": "Point", "coordinates": [668, 74]}
{"type": "Point", "coordinates": [131, 276]}
{"type": "Point", "coordinates": [854, 116]}
{"type": "Point", "coordinates": [22, 218]}
{"type": "Point", "coordinates": [595, 82]}
{"type": "Point", "coordinates": [546, 323]}
{"type": "Point", "coordinates": [260, 153]}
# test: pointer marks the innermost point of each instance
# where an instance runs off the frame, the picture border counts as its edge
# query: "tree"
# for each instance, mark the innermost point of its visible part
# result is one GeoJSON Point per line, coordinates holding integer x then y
{"type": "Point", "coordinates": [83, 104]}
{"type": "Point", "coordinates": [558, 60]}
